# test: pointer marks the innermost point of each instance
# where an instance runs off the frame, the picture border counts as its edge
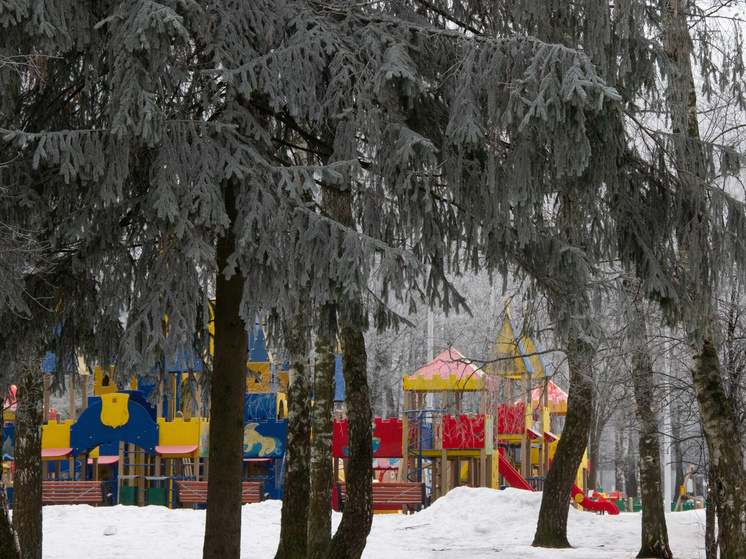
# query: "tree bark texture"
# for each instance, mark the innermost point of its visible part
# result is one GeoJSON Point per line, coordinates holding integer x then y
{"type": "Point", "coordinates": [27, 515]}
{"type": "Point", "coordinates": [711, 539]}
{"type": "Point", "coordinates": [594, 447]}
{"type": "Point", "coordinates": [349, 540]}
{"type": "Point", "coordinates": [322, 472]}
{"type": "Point", "coordinates": [728, 481]}
{"type": "Point", "coordinates": [223, 519]}
{"type": "Point", "coordinates": [678, 452]}
{"type": "Point", "coordinates": [551, 529]}
{"type": "Point", "coordinates": [295, 497]}
{"type": "Point", "coordinates": [619, 457]}
{"type": "Point", "coordinates": [8, 540]}
{"type": "Point", "coordinates": [654, 537]}
{"type": "Point", "coordinates": [719, 423]}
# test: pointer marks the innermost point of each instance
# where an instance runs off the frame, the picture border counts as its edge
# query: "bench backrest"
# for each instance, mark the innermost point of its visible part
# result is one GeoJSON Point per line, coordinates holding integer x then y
{"type": "Point", "coordinates": [195, 492]}
{"type": "Point", "coordinates": [405, 493]}
{"type": "Point", "coordinates": [71, 492]}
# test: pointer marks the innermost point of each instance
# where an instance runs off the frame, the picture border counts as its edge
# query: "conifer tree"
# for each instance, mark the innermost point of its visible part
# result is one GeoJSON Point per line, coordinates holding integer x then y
{"type": "Point", "coordinates": [147, 119]}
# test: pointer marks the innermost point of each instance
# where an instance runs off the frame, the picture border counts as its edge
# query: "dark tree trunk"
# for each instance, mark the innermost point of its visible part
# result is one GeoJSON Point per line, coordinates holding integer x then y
{"type": "Point", "coordinates": [8, 540]}
{"type": "Point", "coordinates": [223, 520]}
{"type": "Point", "coordinates": [349, 540]}
{"type": "Point", "coordinates": [294, 520]}
{"type": "Point", "coordinates": [594, 450]}
{"type": "Point", "coordinates": [719, 423]}
{"type": "Point", "coordinates": [27, 487]}
{"type": "Point", "coordinates": [728, 481]}
{"type": "Point", "coordinates": [630, 466]}
{"type": "Point", "coordinates": [678, 454]}
{"type": "Point", "coordinates": [322, 472]}
{"type": "Point", "coordinates": [619, 454]}
{"type": "Point", "coordinates": [711, 540]}
{"type": "Point", "coordinates": [551, 528]}
{"type": "Point", "coordinates": [654, 540]}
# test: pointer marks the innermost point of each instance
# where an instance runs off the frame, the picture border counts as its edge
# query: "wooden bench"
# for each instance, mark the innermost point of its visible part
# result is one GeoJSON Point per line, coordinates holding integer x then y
{"type": "Point", "coordinates": [195, 492]}
{"type": "Point", "coordinates": [388, 496]}
{"type": "Point", "coordinates": [71, 492]}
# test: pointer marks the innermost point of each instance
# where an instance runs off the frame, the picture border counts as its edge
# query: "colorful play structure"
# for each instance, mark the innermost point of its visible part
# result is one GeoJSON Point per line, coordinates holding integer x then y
{"type": "Point", "coordinates": [507, 439]}
{"type": "Point", "coordinates": [139, 448]}
{"type": "Point", "coordinates": [462, 425]}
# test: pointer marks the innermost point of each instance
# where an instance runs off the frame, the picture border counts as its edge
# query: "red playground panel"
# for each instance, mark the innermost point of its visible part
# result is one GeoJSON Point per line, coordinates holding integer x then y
{"type": "Point", "coordinates": [463, 431]}
{"type": "Point", "coordinates": [387, 438]}
{"type": "Point", "coordinates": [511, 419]}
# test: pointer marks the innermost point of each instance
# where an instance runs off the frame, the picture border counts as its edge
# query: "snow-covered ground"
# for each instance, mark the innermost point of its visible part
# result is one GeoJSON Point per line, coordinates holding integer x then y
{"type": "Point", "coordinates": [465, 523]}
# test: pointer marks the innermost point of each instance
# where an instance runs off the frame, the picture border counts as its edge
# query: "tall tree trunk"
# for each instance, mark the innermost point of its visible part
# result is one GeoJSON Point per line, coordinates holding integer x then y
{"type": "Point", "coordinates": [349, 540]}
{"type": "Point", "coordinates": [594, 447]}
{"type": "Point", "coordinates": [322, 472]}
{"type": "Point", "coordinates": [728, 481]}
{"type": "Point", "coordinates": [8, 539]}
{"type": "Point", "coordinates": [223, 520]}
{"type": "Point", "coordinates": [294, 520]}
{"type": "Point", "coordinates": [719, 423]}
{"type": "Point", "coordinates": [711, 540]}
{"type": "Point", "coordinates": [619, 454]}
{"type": "Point", "coordinates": [551, 528]}
{"type": "Point", "coordinates": [654, 530]}
{"type": "Point", "coordinates": [630, 467]}
{"type": "Point", "coordinates": [678, 453]}
{"type": "Point", "coordinates": [27, 514]}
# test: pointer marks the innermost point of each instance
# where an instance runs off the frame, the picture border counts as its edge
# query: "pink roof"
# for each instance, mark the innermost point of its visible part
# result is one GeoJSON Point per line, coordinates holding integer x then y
{"type": "Point", "coordinates": [50, 453]}
{"type": "Point", "coordinates": [448, 363]}
{"type": "Point", "coordinates": [176, 449]}
{"type": "Point", "coordinates": [105, 460]}
{"type": "Point", "coordinates": [555, 394]}
{"type": "Point", "coordinates": [452, 363]}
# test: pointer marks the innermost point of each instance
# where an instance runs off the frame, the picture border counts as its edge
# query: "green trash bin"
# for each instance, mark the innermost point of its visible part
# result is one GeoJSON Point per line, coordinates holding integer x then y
{"type": "Point", "coordinates": [127, 495]}
{"type": "Point", "coordinates": [157, 496]}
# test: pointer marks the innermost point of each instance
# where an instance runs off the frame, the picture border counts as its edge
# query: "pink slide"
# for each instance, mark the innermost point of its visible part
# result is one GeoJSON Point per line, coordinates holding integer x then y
{"type": "Point", "coordinates": [512, 476]}
{"type": "Point", "coordinates": [586, 503]}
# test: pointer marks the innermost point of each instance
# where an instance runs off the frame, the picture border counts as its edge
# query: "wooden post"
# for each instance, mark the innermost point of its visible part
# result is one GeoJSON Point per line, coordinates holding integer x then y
{"type": "Point", "coordinates": [544, 428]}
{"type": "Point", "coordinates": [84, 390]}
{"type": "Point", "coordinates": [47, 384]}
{"type": "Point", "coordinates": [199, 396]}
{"type": "Point", "coordinates": [527, 424]}
{"type": "Point", "coordinates": [483, 480]}
{"type": "Point", "coordinates": [71, 389]}
{"type": "Point", "coordinates": [445, 480]}
{"type": "Point", "coordinates": [120, 467]}
{"type": "Point", "coordinates": [404, 467]}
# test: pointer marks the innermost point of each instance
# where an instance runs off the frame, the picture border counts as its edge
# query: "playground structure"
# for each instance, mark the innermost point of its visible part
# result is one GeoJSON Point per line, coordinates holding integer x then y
{"type": "Point", "coordinates": [514, 409]}
{"type": "Point", "coordinates": [143, 447]}
{"type": "Point", "coordinates": [140, 448]}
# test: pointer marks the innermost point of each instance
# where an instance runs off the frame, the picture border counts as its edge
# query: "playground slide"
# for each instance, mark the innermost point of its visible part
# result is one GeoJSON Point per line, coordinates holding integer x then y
{"type": "Point", "coordinates": [512, 476]}
{"type": "Point", "coordinates": [516, 480]}
{"type": "Point", "coordinates": [590, 504]}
